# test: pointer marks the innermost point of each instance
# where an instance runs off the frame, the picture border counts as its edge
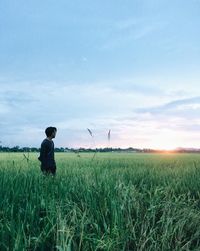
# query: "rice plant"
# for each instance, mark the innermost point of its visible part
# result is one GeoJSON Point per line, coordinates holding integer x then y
{"type": "Point", "coordinates": [116, 202]}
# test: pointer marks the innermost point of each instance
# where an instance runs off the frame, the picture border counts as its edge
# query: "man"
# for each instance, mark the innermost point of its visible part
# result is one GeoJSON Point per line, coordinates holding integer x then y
{"type": "Point", "coordinates": [48, 164]}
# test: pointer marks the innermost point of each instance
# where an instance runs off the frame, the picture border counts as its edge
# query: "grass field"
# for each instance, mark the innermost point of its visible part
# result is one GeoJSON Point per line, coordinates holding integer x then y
{"type": "Point", "coordinates": [115, 202]}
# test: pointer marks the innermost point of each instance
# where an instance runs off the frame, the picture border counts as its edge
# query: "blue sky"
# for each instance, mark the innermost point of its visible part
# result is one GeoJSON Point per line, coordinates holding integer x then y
{"type": "Point", "coordinates": [131, 66]}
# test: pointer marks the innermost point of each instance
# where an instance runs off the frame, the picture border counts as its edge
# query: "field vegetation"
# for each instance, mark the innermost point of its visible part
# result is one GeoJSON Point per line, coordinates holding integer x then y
{"type": "Point", "coordinates": [111, 202]}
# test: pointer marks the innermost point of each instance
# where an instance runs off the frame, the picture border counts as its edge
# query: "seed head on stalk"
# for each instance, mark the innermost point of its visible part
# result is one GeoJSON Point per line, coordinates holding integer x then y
{"type": "Point", "coordinates": [26, 157]}
{"type": "Point", "coordinates": [109, 135]}
{"type": "Point", "coordinates": [91, 134]}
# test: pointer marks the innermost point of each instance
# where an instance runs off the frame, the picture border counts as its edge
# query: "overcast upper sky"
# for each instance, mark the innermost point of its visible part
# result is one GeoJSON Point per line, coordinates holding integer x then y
{"type": "Point", "coordinates": [129, 66]}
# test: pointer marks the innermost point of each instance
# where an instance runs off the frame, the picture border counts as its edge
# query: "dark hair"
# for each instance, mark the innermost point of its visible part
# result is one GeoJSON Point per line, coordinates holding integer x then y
{"type": "Point", "coordinates": [50, 130]}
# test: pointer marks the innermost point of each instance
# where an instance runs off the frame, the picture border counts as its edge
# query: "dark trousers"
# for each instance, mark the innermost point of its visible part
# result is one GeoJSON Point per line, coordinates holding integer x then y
{"type": "Point", "coordinates": [48, 170]}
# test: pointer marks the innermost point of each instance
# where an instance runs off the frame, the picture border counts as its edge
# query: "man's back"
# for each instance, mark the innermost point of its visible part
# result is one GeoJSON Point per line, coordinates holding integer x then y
{"type": "Point", "coordinates": [46, 157]}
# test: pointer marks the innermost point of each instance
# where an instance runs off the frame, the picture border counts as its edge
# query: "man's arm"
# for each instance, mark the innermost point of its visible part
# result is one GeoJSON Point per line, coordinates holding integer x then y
{"type": "Point", "coordinates": [43, 154]}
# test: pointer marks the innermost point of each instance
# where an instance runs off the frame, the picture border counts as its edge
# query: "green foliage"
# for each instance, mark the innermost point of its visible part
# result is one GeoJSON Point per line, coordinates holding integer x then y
{"type": "Point", "coordinates": [115, 202]}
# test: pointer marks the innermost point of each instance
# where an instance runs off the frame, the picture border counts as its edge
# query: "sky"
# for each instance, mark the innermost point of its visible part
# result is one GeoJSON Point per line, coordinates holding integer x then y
{"type": "Point", "coordinates": [128, 66]}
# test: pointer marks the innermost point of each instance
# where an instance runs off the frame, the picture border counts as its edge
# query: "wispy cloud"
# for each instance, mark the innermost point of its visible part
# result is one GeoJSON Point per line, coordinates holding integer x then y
{"type": "Point", "coordinates": [130, 30]}
{"type": "Point", "coordinates": [133, 113]}
{"type": "Point", "coordinates": [177, 107]}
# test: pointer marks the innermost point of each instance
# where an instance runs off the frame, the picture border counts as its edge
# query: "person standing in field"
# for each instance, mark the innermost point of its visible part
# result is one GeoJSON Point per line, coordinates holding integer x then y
{"type": "Point", "coordinates": [48, 164]}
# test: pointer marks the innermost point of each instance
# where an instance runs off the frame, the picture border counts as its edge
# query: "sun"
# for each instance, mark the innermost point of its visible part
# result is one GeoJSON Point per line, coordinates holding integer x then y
{"type": "Point", "coordinates": [168, 148]}
{"type": "Point", "coordinates": [166, 142]}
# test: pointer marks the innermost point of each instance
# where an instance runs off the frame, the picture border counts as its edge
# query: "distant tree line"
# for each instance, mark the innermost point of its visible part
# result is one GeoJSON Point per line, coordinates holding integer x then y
{"type": "Point", "coordinates": [103, 150]}
{"type": "Point", "coordinates": [18, 149]}
{"type": "Point", "coordinates": [66, 149]}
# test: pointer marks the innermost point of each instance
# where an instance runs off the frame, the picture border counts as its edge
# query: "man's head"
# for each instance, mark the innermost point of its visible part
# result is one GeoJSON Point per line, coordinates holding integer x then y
{"type": "Point", "coordinates": [51, 132]}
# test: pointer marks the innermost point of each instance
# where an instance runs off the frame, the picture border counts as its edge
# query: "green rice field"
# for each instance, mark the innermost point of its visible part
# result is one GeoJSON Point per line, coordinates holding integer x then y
{"type": "Point", "coordinates": [115, 202]}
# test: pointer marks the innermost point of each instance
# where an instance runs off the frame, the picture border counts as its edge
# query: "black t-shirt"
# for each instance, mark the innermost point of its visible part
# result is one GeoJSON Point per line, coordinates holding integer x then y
{"type": "Point", "coordinates": [47, 153]}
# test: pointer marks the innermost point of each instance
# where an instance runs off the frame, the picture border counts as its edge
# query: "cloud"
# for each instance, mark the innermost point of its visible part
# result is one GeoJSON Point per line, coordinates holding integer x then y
{"type": "Point", "coordinates": [183, 107]}
{"type": "Point", "coordinates": [15, 98]}
{"type": "Point", "coordinates": [28, 108]}
{"type": "Point", "coordinates": [129, 30]}
{"type": "Point", "coordinates": [72, 108]}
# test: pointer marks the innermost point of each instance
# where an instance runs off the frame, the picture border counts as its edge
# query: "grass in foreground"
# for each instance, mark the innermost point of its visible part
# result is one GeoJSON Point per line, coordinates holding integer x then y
{"type": "Point", "coordinates": [116, 202]}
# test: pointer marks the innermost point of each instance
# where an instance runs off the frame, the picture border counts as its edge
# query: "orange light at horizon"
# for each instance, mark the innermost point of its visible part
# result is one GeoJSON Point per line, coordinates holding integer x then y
{"type": "Point", "coordinates": [166, 141]}
{"type": "Point", "coordinates": [166, 149]}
